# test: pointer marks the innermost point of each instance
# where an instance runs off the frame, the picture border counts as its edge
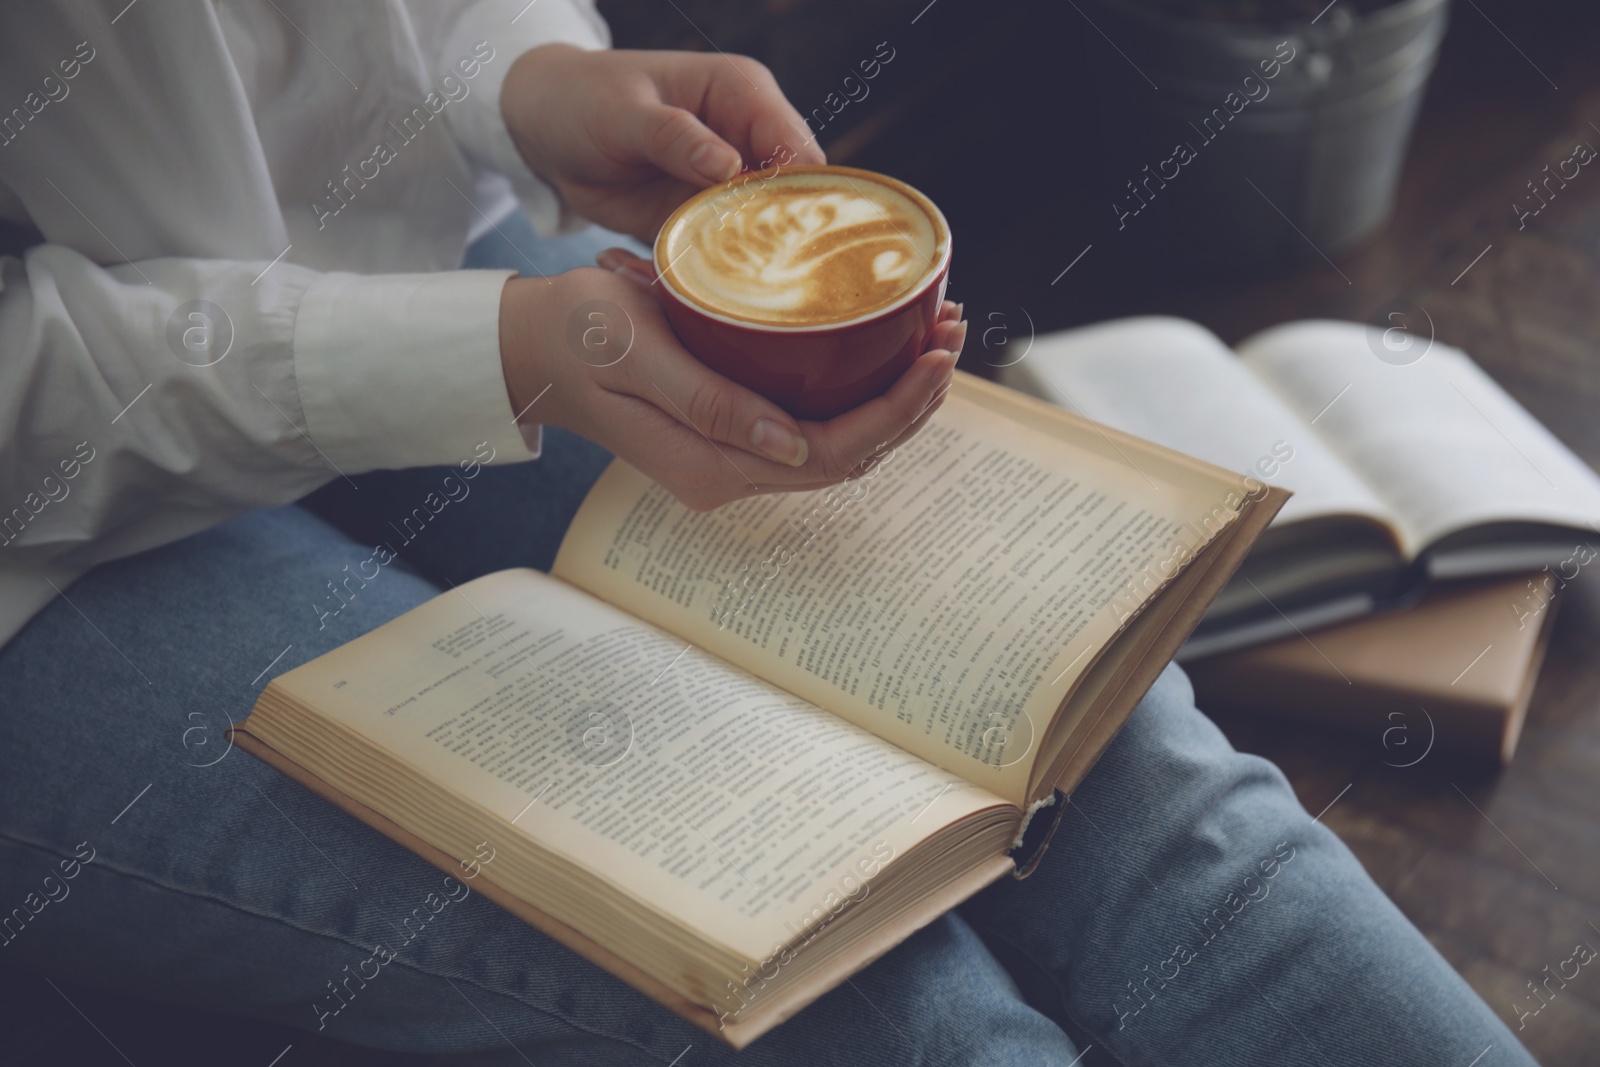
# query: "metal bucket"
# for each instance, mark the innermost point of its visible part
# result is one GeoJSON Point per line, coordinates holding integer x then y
{"type": "Point", "coordinates": [1316, 148]}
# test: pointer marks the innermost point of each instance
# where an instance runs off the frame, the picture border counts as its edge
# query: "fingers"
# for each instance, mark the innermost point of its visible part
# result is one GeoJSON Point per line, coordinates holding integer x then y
{"type": "Point", "coordinates": [778, 134]}
{"type": "Point", "coordinates": [721, 410]}
{"type": "Point", "coordinates": [705, 117]}
{"type": "Point", "coordinates": [922, 420]}
{"type": "Point", "coordinates": [949, 335]}
{"type": "Point", "coordinates": [839, 444]}
{"type": "Point", "coordinates": [744, 103]}
{"type": "Point", "coordinates": [675, 140]}
{"type": "Point", "coordinates": [706, 475]}
{"type": "Point", "coordinates": [735, 443]}
{"type": "Point", "coordinates": [729, 414]}
{"type": "Point", "coordinates": [700, 474]}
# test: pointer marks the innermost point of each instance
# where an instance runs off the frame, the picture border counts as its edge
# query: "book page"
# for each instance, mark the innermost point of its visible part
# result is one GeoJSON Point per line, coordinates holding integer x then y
{"type": "Point", "coordinates": [1438, 440]}
{"type": "Point", "coordinates": [947, 599]}
{"type": "Point", "coordinates": [1173, 382]}
{"type": "Point", "coordinates": [714, 797]}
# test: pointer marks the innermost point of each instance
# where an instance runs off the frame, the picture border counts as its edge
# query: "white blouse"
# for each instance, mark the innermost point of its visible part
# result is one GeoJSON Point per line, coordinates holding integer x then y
{"type": "Point", "coordinates": [251, 213]}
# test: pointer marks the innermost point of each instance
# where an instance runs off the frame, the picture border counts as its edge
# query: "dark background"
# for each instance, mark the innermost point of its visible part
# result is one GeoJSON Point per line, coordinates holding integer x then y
{"type": "Point", "coordinates": [994, 109]}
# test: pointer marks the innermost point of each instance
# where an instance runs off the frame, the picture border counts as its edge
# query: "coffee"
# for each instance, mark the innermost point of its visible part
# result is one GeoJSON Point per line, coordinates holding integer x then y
{"type": "Point", "coordinates": [816, 286]}
{"type": "Point", "coordinates": [801, 247]}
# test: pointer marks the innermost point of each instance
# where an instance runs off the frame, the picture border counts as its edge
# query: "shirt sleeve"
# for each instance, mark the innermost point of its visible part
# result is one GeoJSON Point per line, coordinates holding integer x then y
{"type": "Point", "coordinates": [509, 28]}
{"type": "Point", "coordinates": [164, 395]}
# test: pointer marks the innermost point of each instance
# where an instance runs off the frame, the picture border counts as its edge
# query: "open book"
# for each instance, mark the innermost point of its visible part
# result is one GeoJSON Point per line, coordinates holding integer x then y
{"type": "Point", "coordinates": [732, 757]}
{"type": "Point", "coordinates": [1402, 474]}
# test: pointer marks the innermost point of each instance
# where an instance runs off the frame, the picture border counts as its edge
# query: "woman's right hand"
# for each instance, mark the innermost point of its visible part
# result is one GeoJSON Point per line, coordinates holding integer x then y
{"type": "Point", "coordinates": [590, 351]}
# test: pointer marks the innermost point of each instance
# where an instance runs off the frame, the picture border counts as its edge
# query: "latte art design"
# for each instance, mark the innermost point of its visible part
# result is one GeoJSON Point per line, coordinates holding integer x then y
{"type": "Point", "coordinates": [798, 251]}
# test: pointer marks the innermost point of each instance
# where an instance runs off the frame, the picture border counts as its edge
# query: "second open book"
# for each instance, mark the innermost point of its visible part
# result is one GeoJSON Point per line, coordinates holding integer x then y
{"type": "Point", "coordinates": [1409, 464]}
{"type": "Point", "coordinates": [732, 757]}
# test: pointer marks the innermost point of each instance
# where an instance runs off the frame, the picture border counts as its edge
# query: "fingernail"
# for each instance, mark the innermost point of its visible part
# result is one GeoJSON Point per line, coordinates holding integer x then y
{"type": "Point", "coordinates": [778, 443]}
{"type": "Point", "coordinates": [958, 336]}
{"type": "Point", "coordinates": [961, 311]}
{"type": "Point", "coordinates": [610, 259]}
{"type": "Point", "coordinates": [705, 162]}
{"type": "Point", "coordinates": [632, 272]}
{"type": "Point", "coordinates": [943, 369]}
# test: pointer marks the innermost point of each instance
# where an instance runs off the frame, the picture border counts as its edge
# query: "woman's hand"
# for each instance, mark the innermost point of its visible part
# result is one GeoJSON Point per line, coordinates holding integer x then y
{"type": "Point", "coordinates": [625, 137]}
{"type": "Point", "coordinates": [591, 351]}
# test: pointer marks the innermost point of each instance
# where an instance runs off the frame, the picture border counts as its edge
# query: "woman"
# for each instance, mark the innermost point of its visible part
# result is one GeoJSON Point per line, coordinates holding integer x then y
{"type": "Point", "coordinates": [243, 289]}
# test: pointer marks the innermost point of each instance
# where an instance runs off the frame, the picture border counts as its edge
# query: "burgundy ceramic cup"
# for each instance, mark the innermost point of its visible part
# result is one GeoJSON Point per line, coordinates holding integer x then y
{"type": "Point", "coordinates": [817, 370]}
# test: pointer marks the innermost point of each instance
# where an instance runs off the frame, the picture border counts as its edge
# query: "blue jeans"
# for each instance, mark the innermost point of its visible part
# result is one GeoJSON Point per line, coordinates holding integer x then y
{"type": "Point", "coordinates": [1188, 911]}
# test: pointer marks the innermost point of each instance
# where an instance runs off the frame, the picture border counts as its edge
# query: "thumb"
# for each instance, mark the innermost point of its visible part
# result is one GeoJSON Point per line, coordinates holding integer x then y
{"type": "Point", "coordinates": [700, 398]}
{"type": "Point", "coordinates": [719, 410]}
{"type": "Point", "coordinates": [683, 146]}
{"type": "Point", "coordinates": [723, 411]}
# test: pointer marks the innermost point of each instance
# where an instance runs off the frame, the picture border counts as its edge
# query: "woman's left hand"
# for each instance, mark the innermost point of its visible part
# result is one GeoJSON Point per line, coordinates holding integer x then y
{"type": "Point", "coordinates": [625, 137]}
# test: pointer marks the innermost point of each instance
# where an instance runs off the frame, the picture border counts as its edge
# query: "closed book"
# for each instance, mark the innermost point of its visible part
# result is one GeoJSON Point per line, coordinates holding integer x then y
{"type": "Point", "coordinates": [1455, 671]}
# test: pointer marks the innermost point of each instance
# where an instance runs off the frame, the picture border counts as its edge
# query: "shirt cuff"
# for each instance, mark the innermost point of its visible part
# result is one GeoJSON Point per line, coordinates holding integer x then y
{"type": "Point", "coordinates": [403, 370]}
{"type": "Point", "coordinates": [510, 28]}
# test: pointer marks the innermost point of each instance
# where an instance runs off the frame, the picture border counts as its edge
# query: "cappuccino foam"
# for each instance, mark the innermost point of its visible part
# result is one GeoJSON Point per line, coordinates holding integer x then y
{"type": "Point", "coordinates": [801, 248]}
